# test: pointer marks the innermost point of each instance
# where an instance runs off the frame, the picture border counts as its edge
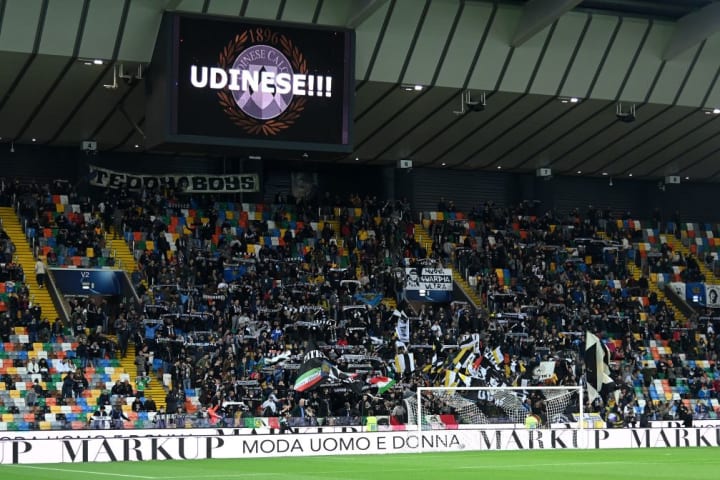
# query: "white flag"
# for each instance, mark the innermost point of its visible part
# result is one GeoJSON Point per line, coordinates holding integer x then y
{"type": "Point", "coordinates": [402, 328]}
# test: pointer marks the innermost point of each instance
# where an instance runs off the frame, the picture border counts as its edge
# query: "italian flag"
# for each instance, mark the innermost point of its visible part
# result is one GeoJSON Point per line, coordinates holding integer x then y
{"type": "Point", "coordinates": [309, 379]}
{"type": "Point", "coordinates": [311, 374]}
{"type": "Point", "coordinates": [383, 384]}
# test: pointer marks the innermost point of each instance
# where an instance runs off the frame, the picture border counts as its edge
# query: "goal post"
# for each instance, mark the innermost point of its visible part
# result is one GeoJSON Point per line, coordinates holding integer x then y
{"type": "Point", "coordinates": [502, 407]}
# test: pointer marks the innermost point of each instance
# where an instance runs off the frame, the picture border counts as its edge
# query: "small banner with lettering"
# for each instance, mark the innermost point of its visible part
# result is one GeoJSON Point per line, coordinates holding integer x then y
{"type": "Point", "coordinates": [185, 182]}
{"type": "Point", "coordinates": [428, 284]}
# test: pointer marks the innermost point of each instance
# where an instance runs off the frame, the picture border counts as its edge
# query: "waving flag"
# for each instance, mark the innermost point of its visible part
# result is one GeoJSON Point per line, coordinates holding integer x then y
{"type": "Point", "coordinates": [496, 357]}
{"type": "Point", "coordinates": [402, 329]}
{"type": "Point", "coordinates": [471, 341]}
{"type": "Point", "coordinates": [279, 359]}
{"type": "Point", "coordinates": [597, 367]}
{"type": "Point", "coordinates": [311, 374]}
{"type": "Point", "coordinates": [463, 359]}
{"type": "Point", "coordinates": [382, 383]}
{"type": "Point", "coordinates": [404, 363]}
{"type": "Point", "coordinates": [457, 379]}
{"type": "Point", "coordinates": [316, 371]}
{"type": "Point", "coordinates": [372, 299]}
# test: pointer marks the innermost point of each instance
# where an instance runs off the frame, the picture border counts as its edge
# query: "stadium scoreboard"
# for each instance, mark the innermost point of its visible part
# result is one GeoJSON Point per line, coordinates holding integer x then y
{"type": "Point", "coordinates": [226, 82]}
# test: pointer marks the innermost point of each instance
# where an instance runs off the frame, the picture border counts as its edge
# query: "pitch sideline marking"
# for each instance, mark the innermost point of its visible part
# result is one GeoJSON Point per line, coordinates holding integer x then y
{"type": "Point", "coordinates": [403, 470]}
{"type": "Point", "coordinates": [282, 474]}
{"type": "Point", "coordinates": [55, 469]}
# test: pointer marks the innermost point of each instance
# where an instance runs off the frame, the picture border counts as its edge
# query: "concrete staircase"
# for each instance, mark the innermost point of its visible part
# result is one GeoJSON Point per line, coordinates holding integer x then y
{"type": "Point", "coordinates": [24, 256]}
{"type": "Point", "coordinates": [122, 252]}
{"type": "Point", "coordinates": [335, 225]}
{"type": "Point", "coordinates": [389, 303]}
{"type": "Point", "coordinates": [126, 261]}
{"type": "Point", "coordinates": [466, 288]}
{"type": "Point", "coordinates": [637, 274]}
{"type": "Point", "coordinates": [155, 389]}
{"type": "Point", "coordinates": [423, 237]}
{"type": "Point", "coordinates": [678, 246]}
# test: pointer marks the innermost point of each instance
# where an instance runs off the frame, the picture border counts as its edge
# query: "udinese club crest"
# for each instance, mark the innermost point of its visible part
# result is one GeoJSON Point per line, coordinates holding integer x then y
{"type": "Point", "coordinates": [262, 112]}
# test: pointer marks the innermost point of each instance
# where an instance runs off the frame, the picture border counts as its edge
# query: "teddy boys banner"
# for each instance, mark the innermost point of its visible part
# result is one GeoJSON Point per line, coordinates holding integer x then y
{"type": "Point", "coordinates": [188, 183]}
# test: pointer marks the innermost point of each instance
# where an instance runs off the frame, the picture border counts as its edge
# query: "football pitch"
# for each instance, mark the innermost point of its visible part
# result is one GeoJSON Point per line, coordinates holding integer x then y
{"type": "Point", "coordinates": [635, 464]}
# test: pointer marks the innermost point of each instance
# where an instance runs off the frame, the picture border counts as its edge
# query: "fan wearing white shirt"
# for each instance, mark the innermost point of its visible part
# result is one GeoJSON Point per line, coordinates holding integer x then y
{"type": "Point", "coordinates": [32, 366]}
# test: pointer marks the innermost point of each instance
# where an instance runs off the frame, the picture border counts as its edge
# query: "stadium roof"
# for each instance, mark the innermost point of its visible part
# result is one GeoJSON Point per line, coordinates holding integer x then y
{"type": "Point", "coordinates": [553, 74]}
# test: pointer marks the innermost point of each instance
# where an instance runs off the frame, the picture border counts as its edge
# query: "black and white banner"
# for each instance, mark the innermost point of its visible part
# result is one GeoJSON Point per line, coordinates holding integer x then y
{"type": "Point", "coordinates": [597, 367]}
{"type": "Point", "coordinates": [402, 328]}
{"type": "Point", "coordinates": [195, 444]}
{"type": "Point", "coordinates": [423, 278]}
{"type": "Point", "coordinates": [189, 183]}
{"type": "Point", "coordinates": [679, 289]}
{"type": "Point", "coordinates": [712, 296]}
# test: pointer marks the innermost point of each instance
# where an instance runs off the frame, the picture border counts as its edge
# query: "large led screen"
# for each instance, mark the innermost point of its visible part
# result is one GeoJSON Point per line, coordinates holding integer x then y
{"type": "Point", "coordinates": [274, 85]}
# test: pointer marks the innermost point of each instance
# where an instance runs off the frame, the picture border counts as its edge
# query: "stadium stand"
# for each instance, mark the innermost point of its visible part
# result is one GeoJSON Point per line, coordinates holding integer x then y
{"type": "Point", "coordinates": [228, 297]}
{"type": "Point", "coordinates": [233, 297]}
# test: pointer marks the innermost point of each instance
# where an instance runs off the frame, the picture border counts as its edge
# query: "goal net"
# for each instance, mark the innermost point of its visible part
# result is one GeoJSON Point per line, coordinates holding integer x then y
{"type": "Point", "coordinates": [503, 407]}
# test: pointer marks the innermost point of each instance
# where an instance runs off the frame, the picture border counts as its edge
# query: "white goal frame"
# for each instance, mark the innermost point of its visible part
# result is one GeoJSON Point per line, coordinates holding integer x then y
{"type": "Point", "coordinates": [578, 388]}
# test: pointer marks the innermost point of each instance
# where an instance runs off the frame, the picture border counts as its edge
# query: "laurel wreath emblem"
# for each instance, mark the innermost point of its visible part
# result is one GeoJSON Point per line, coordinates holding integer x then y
{"type": "Point", "coordinates": [251, 125]}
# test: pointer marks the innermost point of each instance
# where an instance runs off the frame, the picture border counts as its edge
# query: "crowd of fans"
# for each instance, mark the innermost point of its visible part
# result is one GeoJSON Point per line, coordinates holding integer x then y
{"type": "Point", "coordinates": [269, 311]}
{"type": "Point", "coordinates": [216, 335]}
{"type": "Point", "coordinates": [231, 328]}
{"type": "Point", "coordinates": [558, 296]}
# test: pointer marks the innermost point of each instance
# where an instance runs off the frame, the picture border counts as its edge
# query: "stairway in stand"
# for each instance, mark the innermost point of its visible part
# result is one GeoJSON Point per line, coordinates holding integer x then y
{"type": "Point", "coordinates": [423, 238]}
{"type": "Point", "coordinates": [335, 225]}
{"type": "Point", "coordinates": [636, 274]}
{"type": "Point", "coordinates": [126, 261]}
{"type": "Point", "coordinates": [390, 303]}
{"type": "Point", "coordinates": [24, 256]}
{"type": "Point", "coordinates": [155, 389]}
{"type": "Point", "coordinates": [678, 246]}
{"type": "Point", "coordinates": [466, 288]}
{"type": "Point", "coordinates": [120, 249]}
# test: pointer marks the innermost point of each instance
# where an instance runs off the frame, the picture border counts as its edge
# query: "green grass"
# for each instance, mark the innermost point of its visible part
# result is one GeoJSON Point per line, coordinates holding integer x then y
{"type": "Point", "coordinates": [635, 464]}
